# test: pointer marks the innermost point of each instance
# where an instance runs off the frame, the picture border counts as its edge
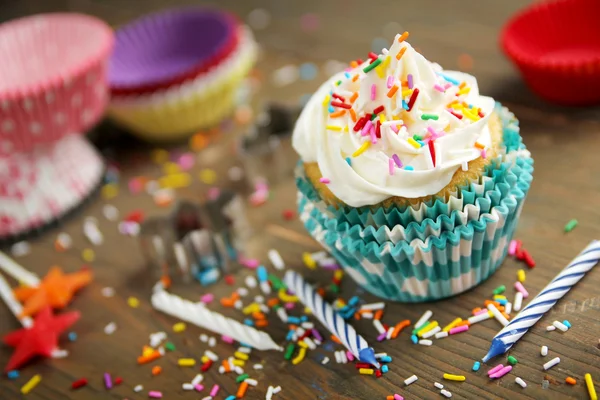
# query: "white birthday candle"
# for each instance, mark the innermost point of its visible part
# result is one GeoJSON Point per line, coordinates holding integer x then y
{"type": "Point", "coordinates": [545, 300]}
{"type": "Point", "coordinates": [331, 319]}
{"type": "Point", "coordinates": [198, 314]}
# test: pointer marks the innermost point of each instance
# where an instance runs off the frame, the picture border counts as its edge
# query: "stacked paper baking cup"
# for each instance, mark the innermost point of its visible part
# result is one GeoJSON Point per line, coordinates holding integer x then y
{"type": "Point", "coordinates": [52, 88]}
{"type": "Point", "coordinates": [178, 71]}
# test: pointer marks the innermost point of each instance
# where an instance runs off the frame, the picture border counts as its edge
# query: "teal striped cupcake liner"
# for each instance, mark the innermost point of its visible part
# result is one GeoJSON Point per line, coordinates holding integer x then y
{"type": "Point", "coordinates": [444, 251]}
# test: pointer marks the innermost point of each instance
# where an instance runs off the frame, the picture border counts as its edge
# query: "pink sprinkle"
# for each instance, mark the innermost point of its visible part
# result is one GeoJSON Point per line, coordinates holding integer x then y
{"type": "Point", "coordinates": [207, 298]}
{"type": "Point", "coordinates": [349, 356]}
{"type": "Point", "coordinates": [512, 247]}
{"type": "Point", "coordinates": [135, 185]}
{"type": "Point", "coordinates": [495, 369]}
{"type": "Point", "coordinates": [214, 193]}
{"type": "Point", "coordinates": [261, 185]}
{"type": "Point", "coordinates": [409, 78]}
{"type": "Point", "coordinates": [519, 286]}
{"type": "Point", "coordinates": [390, 81]}
{"type": "Point", "coordinates": [214, 390]}
{"type": "Point", "coordinates": [447, 86]}
{"type": "Point", "coordinates": [250, 262]}
{"type": "Point", "coordinates": [186, 161]}
{"type": "Point", "coordinates": [485, 310]}
{"type": "Point", "coordinates": [483, 154]}
{"type": "Point", "coordinates": [394, 128]}
{"type": "Point", "coordinates": [289, 306]}
{"type": "Point", "coordinates": [502, 372]}
{"type": "Point", "coordinates": [373, 92]}
{"type": "Point", "coordinates": [324, 180]}
{"type": "Point", "coordinates": [382, 337]}
{"type": "Point", "coordinates": [155, 394]}
{"type": "Point", "coordinates": [199, 388]}
{"type": "Point", "coordinates": [459, 329]}
{"type": "Point", "coordinates": [391, 166]}
{"type": "Point", "coordinates": [398, 397]}
{"type": "Point", "coordinates": [227, 339]}
{"type": "Point", "coordinates": [439, 88]}
{"type": "Point", "coordinates": [373, 136]}
{"type": "Point", "coordinates": [366, 128]}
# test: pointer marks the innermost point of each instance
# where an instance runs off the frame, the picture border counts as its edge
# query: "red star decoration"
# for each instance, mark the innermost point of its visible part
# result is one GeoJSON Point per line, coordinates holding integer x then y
{"type": "Point", "coordinates": [56, 290]}
{"type": "Point", "coordinates": [39, 340]}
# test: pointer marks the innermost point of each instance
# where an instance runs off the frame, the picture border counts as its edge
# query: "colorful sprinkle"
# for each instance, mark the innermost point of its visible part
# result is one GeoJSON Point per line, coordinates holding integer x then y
{"type": "Point", "coordinates": [570, 225]}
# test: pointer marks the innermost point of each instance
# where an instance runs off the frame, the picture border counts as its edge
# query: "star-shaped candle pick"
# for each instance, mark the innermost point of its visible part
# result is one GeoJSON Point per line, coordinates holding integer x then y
{"type": "Point", "coordinates": [55, 290]}
{"type": "Point", "coordinates": [41, 339]}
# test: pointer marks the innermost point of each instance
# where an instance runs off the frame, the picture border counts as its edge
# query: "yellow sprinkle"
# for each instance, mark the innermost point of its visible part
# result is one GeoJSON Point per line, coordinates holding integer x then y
{"type": "Point", "coordinates": [382, 118]}
{"type": "Point", "coordinates": [338, 274]}
{"type": "Point", "coordinates": [346, 128]}
{"type": "Point", "coordinates": [287, 298]}
{"type": "Point", "coordinates": [457, 106]}
{"type": "Point", "coordinates": [302, 344]}
{"type": "Point", "coordinates": [334, 128]}
{"type": "Point", "coordinates": [204, 359]}
{"type": "Point", "coordinates": [240, 355]}
{"type": "Point", "coordinates": [406, 92]}
{"type": "Point", "coordinates": [491, 314]}
{"type": "Point", "coordinates": [175, 181]}
{"type": "Point", "coordinates": [88, 255]}
{"type": "Point", "coordinates": [110, 191]}
{"type": "Point", "coordinates": [307, 311]}
{"type": "Point", "coordinates": [239, 363]}
{"type": "Point", "coordinates": [300, 356]}
{"type": "Point", "coordinates": [179, 327]}
{"type": "Point", "coordinates": [133, 302]}
{"type": "Point", "coordinates": [452, 324]}
{"type": "Point", "coordinates": [36, 379]}
{"type": "Point", "coordinates": [458, 378]}
{"type": "Point", "coordinates": [170, 168]}
{"type": "Point", "coordinates": [386, 62]}
{"type": "Point", "coordinates": [427, 328]}
{"type": "Point", "coordinates": [366, 371]}
{"type": "Point", "coordinates": [361, 149]}
{"type": "Point", "coordinates": [207, 176]}
{"type": "Point", "coordinates": [147, 351]}
{"type": "Point", "coordinates": [380, 71]}
{"type": "Point", "coordinates": [186, 362]}
{"type": "Point", "coordinates": [521, 275]}
{"type": "Point", "coordinates": [465, 90]}
{"type": "Point", "coordinates": [499, 297]}
{"type": "Point", "coordinates": [308, 260]}
{"type": "Point", "coordinates": [468, 114]}
{"type": "Point", "coordinates": [590, 387]}
{"type": "Point", "coordinates": [326, 100]}
{"type": "Point", "coordinates": [413, 143]}
{"type": "Point", "coordinates": [159, 156]}
{"type": "Point", "coordinates": [249, 309]}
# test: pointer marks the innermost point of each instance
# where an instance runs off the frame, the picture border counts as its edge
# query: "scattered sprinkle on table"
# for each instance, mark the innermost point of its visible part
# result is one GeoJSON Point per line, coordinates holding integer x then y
{"type": "Point", "coordinates": [544, 351]}
{"type": "Point", "coordinates": [179, 327]}
{"type": "Point", "coordinates": [570, 225]}
{"type": "Point", "coordinates": [519, 381]}
{"type": "Point", "coordinates": [590, 387]}
{"type": "Point", "coordinates": [551, 363]}
{"type": "Point", "coordinates": [410, 380]}
{"type": "Point", "coordinates": [457, 378]}
{"type": "Point", "coordinates": [32, 383]}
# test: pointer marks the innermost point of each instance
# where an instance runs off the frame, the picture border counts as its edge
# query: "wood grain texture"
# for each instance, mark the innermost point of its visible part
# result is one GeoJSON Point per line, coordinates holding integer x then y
{"type": "Point", "coordinates": [566, 186]}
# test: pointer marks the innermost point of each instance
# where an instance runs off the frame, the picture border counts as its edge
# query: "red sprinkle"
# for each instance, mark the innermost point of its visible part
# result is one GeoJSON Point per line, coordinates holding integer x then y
{"type": "Point", "coordinates": [378, 130]}
{"type": "Point", "coordinates": [206, 366]}
{"type": "Point", "coordinates": [135, 216]}
{"type": "Point", "coordinates": [341, 105]}
{"type": "Point", "coordinates": [337, 96]}
{"type": "Point", "coordinates": [378, 109]}
{"type": "Point", "coordinates": [118, 380]}
{"type": "Point", "coordinates": [359, 61]}
{"type": "Point", "coordinates": [372, 55]}
{"type": "Point", "coordinates": [79, 383]}
{"type": "Point", "coordinates": [378, 373]}
{"type": "Point", "coordinates": [455, 114]}
{"type": "Point", "coordinates": [362, 365]}
{"type": "Point", "coordinates": [432, 151]}
{"type": "Point", "coordinates": [288, 215]}
{"type": "Point", "coordinates": [528, 259]}
{"type": "Point", "coordinates": [520, 254]}
{"type": "Point", "coordinates": [481, 114]}
{"type": "Point", "coordinates": [360, 124]}
{"type": "Point", "coordinates": [413, 98]}
{"type": "Point", "coordinates": [519, 245]}
{"type": "Point", "coordinates": [229, 279]}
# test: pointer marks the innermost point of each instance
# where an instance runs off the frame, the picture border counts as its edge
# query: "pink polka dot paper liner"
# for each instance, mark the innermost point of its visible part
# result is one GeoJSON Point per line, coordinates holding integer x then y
{"type": "Point", "coordinates": [55, 81]}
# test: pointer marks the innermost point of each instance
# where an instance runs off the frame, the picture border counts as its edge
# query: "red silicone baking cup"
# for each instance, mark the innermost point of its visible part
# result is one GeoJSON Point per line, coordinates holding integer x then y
{"type": "Point", "coordinates": [556, 46]}
{"type": "Point", "coordinates": [53, 79]}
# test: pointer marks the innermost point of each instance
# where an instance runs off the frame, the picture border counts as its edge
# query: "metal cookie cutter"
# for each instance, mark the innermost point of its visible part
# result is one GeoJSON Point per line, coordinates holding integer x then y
{"type": "Point", "coordinates": [199, 241]}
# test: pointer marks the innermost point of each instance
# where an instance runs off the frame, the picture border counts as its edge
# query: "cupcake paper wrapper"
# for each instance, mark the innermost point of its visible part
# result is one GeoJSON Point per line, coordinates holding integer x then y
{"type": "Point", "coordinates": [41, 186]}
{"type": "Point", "coordinates": [445, 257]}
{"type": "Point", "coordinates": [181, 110]}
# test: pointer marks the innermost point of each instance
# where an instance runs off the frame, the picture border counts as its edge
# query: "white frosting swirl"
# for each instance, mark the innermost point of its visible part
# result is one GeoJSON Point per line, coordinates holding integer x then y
{"type": "Point", "coordinates": [324, 136]}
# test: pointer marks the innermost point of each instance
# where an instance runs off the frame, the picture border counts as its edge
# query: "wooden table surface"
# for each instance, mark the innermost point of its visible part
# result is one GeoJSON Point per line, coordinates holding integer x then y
{"type": "Point", "coordinates": [566, 186]}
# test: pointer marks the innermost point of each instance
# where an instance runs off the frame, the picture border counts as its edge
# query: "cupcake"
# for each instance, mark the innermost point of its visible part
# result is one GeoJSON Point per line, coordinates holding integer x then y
{"type": "Point", "coordinates": [408, 176]}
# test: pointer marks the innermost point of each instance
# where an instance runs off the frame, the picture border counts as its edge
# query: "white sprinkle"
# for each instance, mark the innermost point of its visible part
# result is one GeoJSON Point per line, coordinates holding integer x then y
{"type": "Point", "coordinates": [245, 350]}
{"type": "Point", "coordinates": [319, 255]}
{"type": "Point", "coordinates": [441, 335]}
{"type": "Point", "coordinates": [258, 366]}
{"type": "Point", "coordinates": [499, 317]}
{"type": "Point", "coordinates": [238, 305]}
{"type": "Point", "coordinates": [560, 326]}
{"type": "Point", "coordinates": [212, 356]}
{"type": "Point", "coordinates": [197, 379]}
{"type": "Point", "coordinates": [343, 357]}
{"type": "Point", "coordinates": [204, 338]}
{"type": "Point", "coordinates": [379, 355]}
{"type": "Point", "coordinates": [282, 314]}
{"type": "Point", "coordinates": [265, 287]}
{"type": "Point", "coordinates": [508, 307]}
{"type": "Point", "coordinates": [20, 249]}
{"type": "Point", "coordinates": [269, 395]}
{"type": "Point", "coordinates": [238, 370]}
{"type": "Point", "coordinates": [367, 315]}
{"type": "Point", "coordinates": [424, 318]}
{"type": "Point", "coordinates": [311, 345]}
{"type": "Point", "coordinates": [445, 393]}
{"type": "Point", "coordinates": [276, 259]}
{"type": "Point", "coordinates": [307, 325]}
{"type": "Point", "coordinates": [251, 281]}
{"type": "Point", "coordinates": [64, 239]}
{"type": "Point", "coordinates": [138, 388]}
{"type": "Point", "coordinates": [438, 385]}
{"type": "Point", "coordinates": [544, 351]}
{"type": "Point", "coordinates": [161, 350]}
{"type": "Point", "coordinates": [276, 389]}
{"type": "Point", "coordinates": [242, 291]}
{"type": "Point", "coordinates": [373, 306]}
{"type": "Point", "coordinates": [212, 342]}
{"type": "Point", "coordinates": [110, 328]}
{"type": "Point", "coordinates": [327, 261]}
{"type": "Point", "coordinates": [337, 357]}
{"type": "Point", "coordinates": [92, 233]}
{"type": "Point", "coordinates": [221, 370]}
{"type": "Point", "coordinates": [300, 331]}
{"type": "Point", "coordinates": [431, 332]}
{"type": "Point", "coordinates": [379, 326]}
{"type": "Point", "coordinates": [108, 292]}
{"type": "Point", "coordinates": [425, 342]}
{"type": "Point", "coordinates": [479, 317]}
{"type": "Point", "coordinates": [207, 398]}
{"type": "Point", "coordinates": [410, 380]}
{"type": "Point", "coordinates": [325, 360]}
{"type": "Point", "coordinates": [551, 363]}
{"type": "Point", "coordinates": [110, 212]}
{"type": "Point", "coordinates": [187, 386]}
{"type": "Point", "coordinates": [520, 382]}
{"type": "Point", "coordinates": [518, 301]}
{"type": "Point", "coordinates": [259, 299]}
{"type": "Point", "coordinates": [251, 382]}
{"type": "Point", "coordinates": [389, 333]}
{"type": "Point", "coordinates": [550, 328]}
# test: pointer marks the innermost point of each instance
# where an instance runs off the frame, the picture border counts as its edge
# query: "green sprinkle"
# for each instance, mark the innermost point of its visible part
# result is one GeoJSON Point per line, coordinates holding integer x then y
{"type": "Point", "coordinates": [242, 378]}
{"type": "Point", "coordinates": [418, 328]}
{"type": "Point", "coordinates": [289, 351]}
{"type": "Point", "coordinates": [500, 289]}
{"type": "Point", "coordinates": [371, 66]}
{"type": "Point", "coordinates": [170, 346]}
{"type": "Point", "coordinates": [570, 225]}
{"type": "Point", "coordinates": [276, 282]}
{"type": "Point", "coordinates": [338, 83]}
{"type": "Point", "coordinates": [334, 288]}
{"type": "Point", "coordinates": [417, 137]}
{"type": "Point", "coordinates": [373, 117]}
{"type": "Point", "coordinates": [512, 360]}
{"type": "Point", "coordinates": [426, 117]}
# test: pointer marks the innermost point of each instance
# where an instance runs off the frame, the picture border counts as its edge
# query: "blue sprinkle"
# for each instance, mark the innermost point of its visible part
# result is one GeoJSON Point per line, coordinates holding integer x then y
{"type": "Point", "coordinates": [261, 273]}
{"type": "Point", "coordinates": [347, 75]}
{"type": "Point", "coordinates": [303, 318]}
{"type": "Point", "coordinates": [476, 366]}
{"type": "Point", "coordinates": [447, 78]}
{"type": "Point", "coordinates": [384, 369]}
{"type": "Point", "coordinates": [386, 359]}
{"type": "Point", "coordinates": [249, 322]}
{"type": "Point", "coordinates": [293, 320]}
{"type": "Point", "coordinates": [422, 143]}
{"type": "Point", "coordinates": [230, 397]}
{"type": "Point", "coordinates": [14, 374]}
{"type": "Point", "coordinates": [245, 345]}
{"type": "Point", "coordinates": [72, 336]}
{"type": "Point", "coordinates": [330, 109]}
{"type": "Point", "coordinates": [353, 301]}
{"type": "Point", "coordinates": [349, 161]}
{"type": "Point", "coordinates": [289, 335]}
{"type": "Point", "coordinates": [409, 168]}
{"type": "Point", "coordinates": [404, 104]}
{"type": "Point", "coordinates": [502, 301]}
{"type": "Point", "coordinates": [567, 323]}
{"type": "Point", "coordinates": [379, 43]}
{"type": "Point", "coordinates": [308, 71]}
{"type": "Point", "coordinates": [414, 339]}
